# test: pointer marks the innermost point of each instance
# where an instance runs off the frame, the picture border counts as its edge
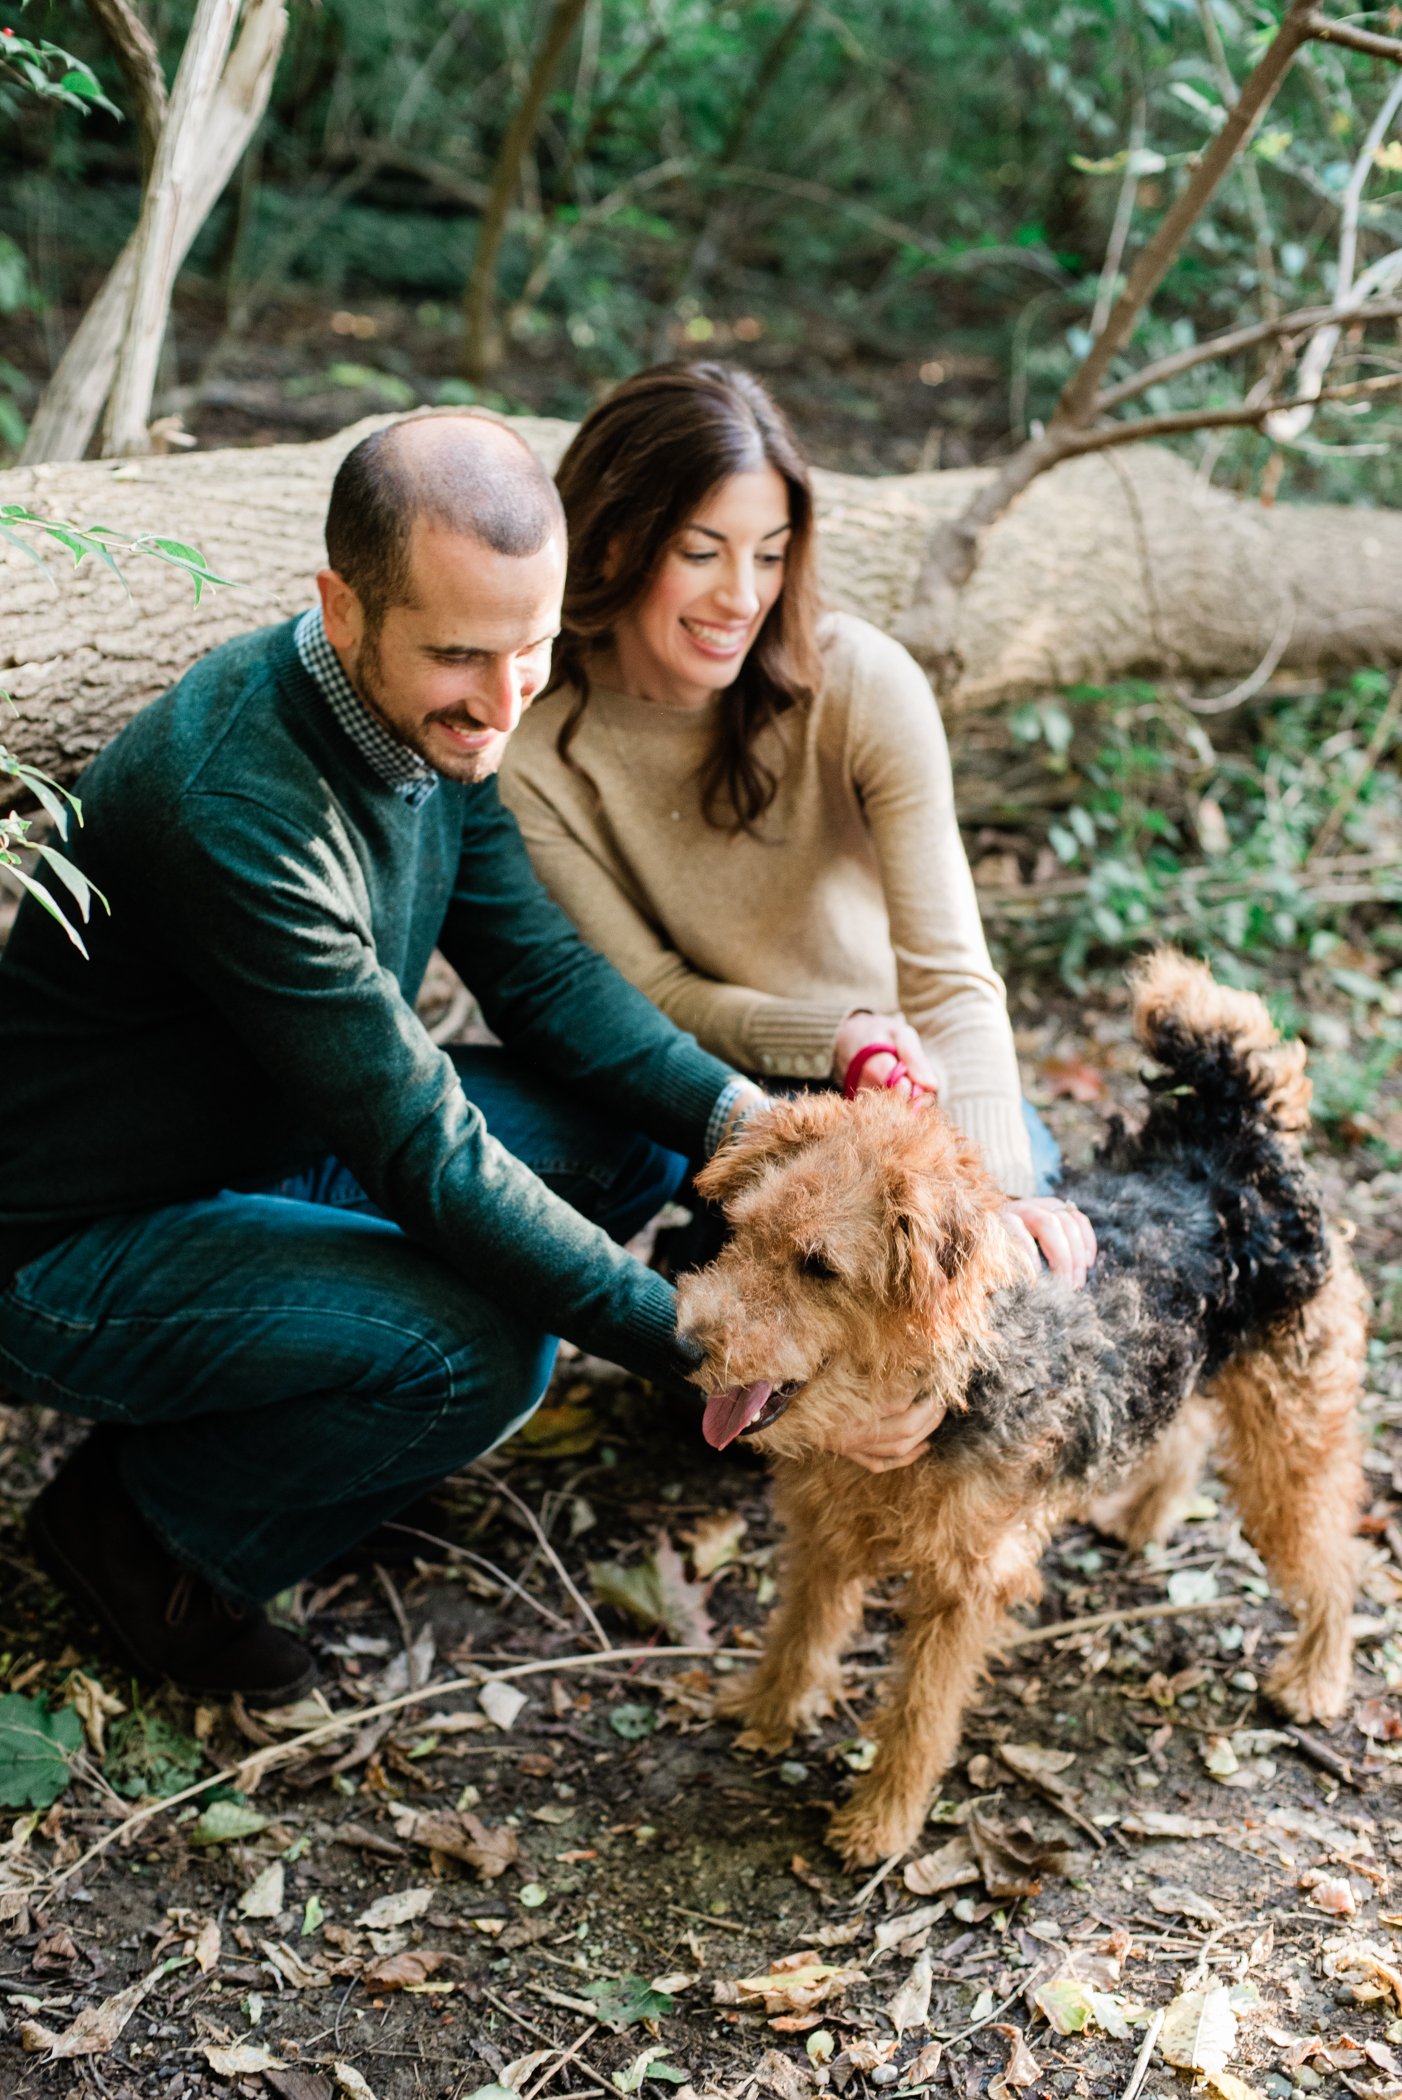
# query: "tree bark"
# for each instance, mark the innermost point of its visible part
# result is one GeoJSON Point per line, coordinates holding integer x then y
{"type": "Point", "coordinates": [1109, 566]}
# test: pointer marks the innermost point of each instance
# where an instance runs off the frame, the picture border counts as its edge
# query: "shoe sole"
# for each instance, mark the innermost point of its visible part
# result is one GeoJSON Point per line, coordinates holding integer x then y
{"type": "Point", "coordinates": [51, 1557]}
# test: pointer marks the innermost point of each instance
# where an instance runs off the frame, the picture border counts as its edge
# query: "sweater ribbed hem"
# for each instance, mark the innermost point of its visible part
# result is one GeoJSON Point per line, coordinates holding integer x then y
{"type": "Point", "coordinates": [999, 1131]}
{"type": "Point", "coordinates": [645, 1342]}
{"type": "Point", "coordinates": [793, 1038]}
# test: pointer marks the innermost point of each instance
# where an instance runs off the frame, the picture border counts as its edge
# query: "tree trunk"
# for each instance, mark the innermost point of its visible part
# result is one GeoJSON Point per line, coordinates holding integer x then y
{"type": "Point", "coordinates": [1108, 566]}
{"type": "Point", "coordinates": [72, 401]}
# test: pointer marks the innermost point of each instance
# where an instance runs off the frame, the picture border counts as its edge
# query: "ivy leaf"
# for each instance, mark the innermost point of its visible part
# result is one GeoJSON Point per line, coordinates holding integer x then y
{"type": "Point", "coordinates": [624, 2001]}
{"type": "Point", "coordinates": [36, 1748]}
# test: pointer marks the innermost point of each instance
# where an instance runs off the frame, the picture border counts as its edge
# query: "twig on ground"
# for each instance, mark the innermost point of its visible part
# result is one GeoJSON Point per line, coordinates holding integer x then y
{"type": "Point", "coordinates": [401, 1620]}
{"type": "Point", "coordinates": [263, 1761]}
{"type": "Point", "coordinates": [703, 1917]}
{"type": "Point", "coordinates": [1377, 742]}
{"type": "Point", "coordinates": [1146, 2050]}
{"type": "Point", "coordinates": [1322, 1754]}
{"type": "Point", "coordinates": [964, 2032]}
{"type": "Point", "coordinates": [552, 2071]}
{"type": "Point", "coordinates": [578, 1599]}
{"type": "Point", "coordinates": [869, 1888]}
{"type": "Point", "coordinates": [1064, 1628]}
{"type": "Point", "coordinates": [529, 2026]}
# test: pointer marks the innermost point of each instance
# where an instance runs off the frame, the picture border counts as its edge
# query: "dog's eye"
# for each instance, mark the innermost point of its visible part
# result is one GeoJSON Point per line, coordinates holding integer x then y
{"type": "Point", "coordinates": [817, 1266]}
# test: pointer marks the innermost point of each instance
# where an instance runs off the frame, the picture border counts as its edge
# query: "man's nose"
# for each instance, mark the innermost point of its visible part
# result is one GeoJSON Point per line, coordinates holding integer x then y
{"type": "Point", "coordinates": [498, 704]}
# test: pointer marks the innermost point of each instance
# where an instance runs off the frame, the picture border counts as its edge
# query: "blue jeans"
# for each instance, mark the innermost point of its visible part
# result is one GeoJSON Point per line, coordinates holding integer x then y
{"type": "Point", "coordinates": [287, 1368]}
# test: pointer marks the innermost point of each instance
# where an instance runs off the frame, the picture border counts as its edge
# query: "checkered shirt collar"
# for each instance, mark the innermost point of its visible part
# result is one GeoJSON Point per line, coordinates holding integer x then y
{"type": "Point", "coordinates": [401, 769]}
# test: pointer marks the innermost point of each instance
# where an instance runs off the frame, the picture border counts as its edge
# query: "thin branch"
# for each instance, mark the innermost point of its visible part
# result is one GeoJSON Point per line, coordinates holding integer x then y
{"type": "Point", "coordinates": [1030, 1637]}
{"type": "Point", "coordinates": [1072, 444]}
{"type": "Point", "coordinates": [1123, 220]}
{"type": "Point", "coordinates": [1250, 178]}
{"type": "Point", "coordinates": [1377, 744]}
{"type": "Point", "coordinates": [479, 349]}
{"type": "Point", "coordinates": [1323, 31]}
{"type": "Point", "coordinates": [263, 1761]}
{"type": "Point", "coordinates": [1154, 259]}
{"type": "Point", "coordinates": [134, 49]}
{"type": "Point", "coordinates": [1284, 329]}
{"type": "Point", "coordinates": [576, 1597]}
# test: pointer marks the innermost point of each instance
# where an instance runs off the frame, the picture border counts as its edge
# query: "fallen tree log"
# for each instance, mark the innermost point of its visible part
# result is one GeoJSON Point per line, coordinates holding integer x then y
{"type": "Point", "coordinates": [1108, 566]}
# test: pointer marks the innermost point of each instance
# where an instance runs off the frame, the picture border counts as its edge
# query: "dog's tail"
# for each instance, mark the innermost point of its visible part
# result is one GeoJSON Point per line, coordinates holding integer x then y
{"type": "Point", "coordinates": [1220, 1046]}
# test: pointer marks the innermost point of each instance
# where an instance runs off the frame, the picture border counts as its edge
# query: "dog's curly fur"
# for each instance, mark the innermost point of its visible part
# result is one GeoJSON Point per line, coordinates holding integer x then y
{"type": "Point", "coordinates": [867, 1266]}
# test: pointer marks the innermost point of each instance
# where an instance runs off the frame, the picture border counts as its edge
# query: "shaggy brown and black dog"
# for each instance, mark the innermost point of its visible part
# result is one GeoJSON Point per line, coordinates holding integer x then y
{"type": "Point", "coordinates": [867, 1266]}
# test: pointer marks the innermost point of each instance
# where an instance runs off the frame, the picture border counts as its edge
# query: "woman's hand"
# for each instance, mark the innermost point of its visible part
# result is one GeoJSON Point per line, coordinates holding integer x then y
{"type": "Point", "coordinates": [859, 1029]}
{"type": "Point", "coordinates": [892, 1440]}
{"type": "Point", "coordinates": [1055, 1227]}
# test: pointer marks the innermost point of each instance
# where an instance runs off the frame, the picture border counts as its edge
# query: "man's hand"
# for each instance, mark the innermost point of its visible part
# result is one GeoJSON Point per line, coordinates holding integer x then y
{"type": "Point", "coordinates": [892, 1440]}
{"type": "Point", "coordinates": [859, 1029]}
{"type": "Point", "coordinates": [1062, 1233]}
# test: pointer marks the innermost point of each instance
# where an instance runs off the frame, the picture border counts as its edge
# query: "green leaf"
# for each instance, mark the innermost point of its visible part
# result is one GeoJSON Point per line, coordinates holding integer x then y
{"type": "Point", "coordinates": [146, 1755]}
{"type": "Point", "coordinates": [23, 545]}
{"type": "Point", "coordinates": [632, 1722]}
{"type": "Point", "coordinates": [36, 1748]}
{"type": "Point", "coordinates": [224, 1822]}
{"type": "Point", "coordinates": [55, 911]}
{"type": "Point", "coordinates": [624, 2001]}
{"type": "Point", "coordinates": [73, 879]}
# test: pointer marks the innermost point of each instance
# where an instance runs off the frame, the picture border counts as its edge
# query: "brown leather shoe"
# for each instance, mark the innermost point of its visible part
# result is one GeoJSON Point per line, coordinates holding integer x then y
{"type": "Point", "coordinates": [89, 1536]}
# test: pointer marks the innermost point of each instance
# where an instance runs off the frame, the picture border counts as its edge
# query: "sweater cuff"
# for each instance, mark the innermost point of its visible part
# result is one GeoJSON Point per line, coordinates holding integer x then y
{"type": "Point", "coordinates": [645, 1340]}
{"type": "Point", "coordinates": [793, 1038]}
{"type": "Point", "coordinates": [998, 1129]}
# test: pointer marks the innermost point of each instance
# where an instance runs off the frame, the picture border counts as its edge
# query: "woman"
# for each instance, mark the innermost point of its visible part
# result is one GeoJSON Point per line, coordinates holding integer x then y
{"type": "Point", "coordinates": [746, 803]}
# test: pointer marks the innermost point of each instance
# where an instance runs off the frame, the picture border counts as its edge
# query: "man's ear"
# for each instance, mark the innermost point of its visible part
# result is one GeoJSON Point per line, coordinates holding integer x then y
{"type": "Point", "coordinates": [342, 614]}
{"type": "Point", "coordinates": [764, 1138]}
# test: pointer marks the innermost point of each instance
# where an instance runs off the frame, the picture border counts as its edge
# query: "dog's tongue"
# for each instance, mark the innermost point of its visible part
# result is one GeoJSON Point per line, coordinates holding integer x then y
{"type": "Point", "coordinates": [729, 1412]}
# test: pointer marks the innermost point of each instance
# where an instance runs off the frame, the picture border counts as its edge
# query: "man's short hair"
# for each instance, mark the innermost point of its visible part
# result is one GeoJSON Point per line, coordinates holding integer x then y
{"type": "Point", "coordinates": [463, 469]}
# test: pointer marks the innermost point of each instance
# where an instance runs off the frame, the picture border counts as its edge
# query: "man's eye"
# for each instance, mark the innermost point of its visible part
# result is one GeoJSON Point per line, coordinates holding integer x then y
{"type": "Point", "coordinates": [816, 1266]}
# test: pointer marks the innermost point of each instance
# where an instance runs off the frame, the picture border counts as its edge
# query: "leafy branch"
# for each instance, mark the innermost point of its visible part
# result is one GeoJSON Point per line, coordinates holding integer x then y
{"type": "Point", "coordinates": [1081, 421]}
{"type": "Point", "coordinates": [48, 70]}
{"type": "Point", "coordinates": [105, 542]}
{"type": "Point", "coordinates": [58, 804]}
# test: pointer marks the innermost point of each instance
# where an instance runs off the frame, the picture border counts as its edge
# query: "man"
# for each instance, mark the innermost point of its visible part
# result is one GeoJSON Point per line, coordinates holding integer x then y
{"type": "Point", "coordinates": [296, 1262]}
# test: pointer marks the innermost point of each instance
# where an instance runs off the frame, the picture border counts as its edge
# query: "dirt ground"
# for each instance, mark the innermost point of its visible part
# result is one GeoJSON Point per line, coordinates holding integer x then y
{"type": "Point", "coordinates": [610, 1873]}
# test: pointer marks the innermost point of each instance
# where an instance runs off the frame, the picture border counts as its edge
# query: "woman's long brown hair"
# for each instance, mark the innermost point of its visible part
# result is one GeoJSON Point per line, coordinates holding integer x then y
{"type": "Point", "coordinates": [641, 465]}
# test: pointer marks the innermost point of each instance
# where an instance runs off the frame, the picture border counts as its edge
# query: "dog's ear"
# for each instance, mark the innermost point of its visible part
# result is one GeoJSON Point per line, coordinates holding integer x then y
{"type": "Point", "coordinates": [767, 1136]}
{"type": "Point", "coordinates": [935, 1230]}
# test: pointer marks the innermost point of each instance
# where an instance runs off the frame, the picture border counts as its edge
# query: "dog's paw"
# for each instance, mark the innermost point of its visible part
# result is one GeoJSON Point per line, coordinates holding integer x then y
{"type": "Point", "coordinates": [866, 1832]}
{"type": "Point", "coordinates": [1310, 1686]}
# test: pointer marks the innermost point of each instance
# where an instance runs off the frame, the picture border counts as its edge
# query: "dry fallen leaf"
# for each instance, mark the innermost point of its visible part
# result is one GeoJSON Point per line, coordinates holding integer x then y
{"type": "Point", "coordinates": [1332, 1893]}
{"type": "Point", "coordinates": [264, 1897]}
{"type": "Point", "coordinates": [911, 2005]}
{"type": "Point", "coordinates": [1021, 2068]}
{"type": "Point", "coordinates": [1199, 2030]}
{"type": "Point", "coordinates": [657, 1592]}
{"type": "Point", "coordinates": [1159, 1823]}
{"type": "Point", "coordinates": [783, 2075]}
{"type": "Point", "coordinates": [351, 2082]}
{"type": "Point", "coordinates": [1185, 1903]}
{"type": "Point", "coordinates": [1378, 1719]}
{"type": "Point", "coordinates": [1011, 1859]}
{"type": "Point", "coordinates": [461, 1835]}
{"type": "Point", "coordinates": [950, 1867]}
{"type": "Point", "coordinates": [94, 1707]}
{"type": "Point", "coordinates": [501, 1703]}
{"type": "Point", "coordinates": [795, 1984]}
{"type": "Point", "coordinates": [241, 2060]}
{"type": "Point", "coordinates": [399, 1972]}
{"type": "Point", "coordinates": [400, 1908]}
{"type": "Point", "coordinates": [96, 2029]}
{"type": "Point", "coordinates": [714, 1540]}
{"type": "Point", "coordinates": [205, 1947]}
{"type": "Point", "coordinates": [1230, 2088]}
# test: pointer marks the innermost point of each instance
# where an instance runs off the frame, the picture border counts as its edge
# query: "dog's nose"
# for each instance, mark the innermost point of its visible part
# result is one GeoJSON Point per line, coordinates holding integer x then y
{"type": "Point", "coordinates": [690, 1352]}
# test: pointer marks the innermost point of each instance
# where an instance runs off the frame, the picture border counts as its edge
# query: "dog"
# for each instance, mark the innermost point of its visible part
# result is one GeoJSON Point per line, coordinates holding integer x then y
{"type": "Point", "coordinates": [867, 1266]}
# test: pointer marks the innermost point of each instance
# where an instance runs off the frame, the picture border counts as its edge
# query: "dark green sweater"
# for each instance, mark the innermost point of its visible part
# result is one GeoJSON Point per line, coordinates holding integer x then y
{"type": "Point", "coordinates": [248, 1006]}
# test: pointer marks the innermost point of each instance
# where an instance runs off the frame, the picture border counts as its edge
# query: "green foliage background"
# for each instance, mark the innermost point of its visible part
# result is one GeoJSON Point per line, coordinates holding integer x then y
{"type": "Point", "coordinates": [867, 190]}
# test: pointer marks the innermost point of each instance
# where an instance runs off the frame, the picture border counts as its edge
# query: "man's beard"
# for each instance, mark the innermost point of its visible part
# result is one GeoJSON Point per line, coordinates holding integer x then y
{"type": "Point", "coordinates": [365, 677]}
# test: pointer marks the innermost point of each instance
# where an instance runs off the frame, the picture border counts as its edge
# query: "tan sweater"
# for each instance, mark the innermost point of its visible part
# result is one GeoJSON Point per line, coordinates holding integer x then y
{"type": "Point", "coordinates": [857, 893]}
